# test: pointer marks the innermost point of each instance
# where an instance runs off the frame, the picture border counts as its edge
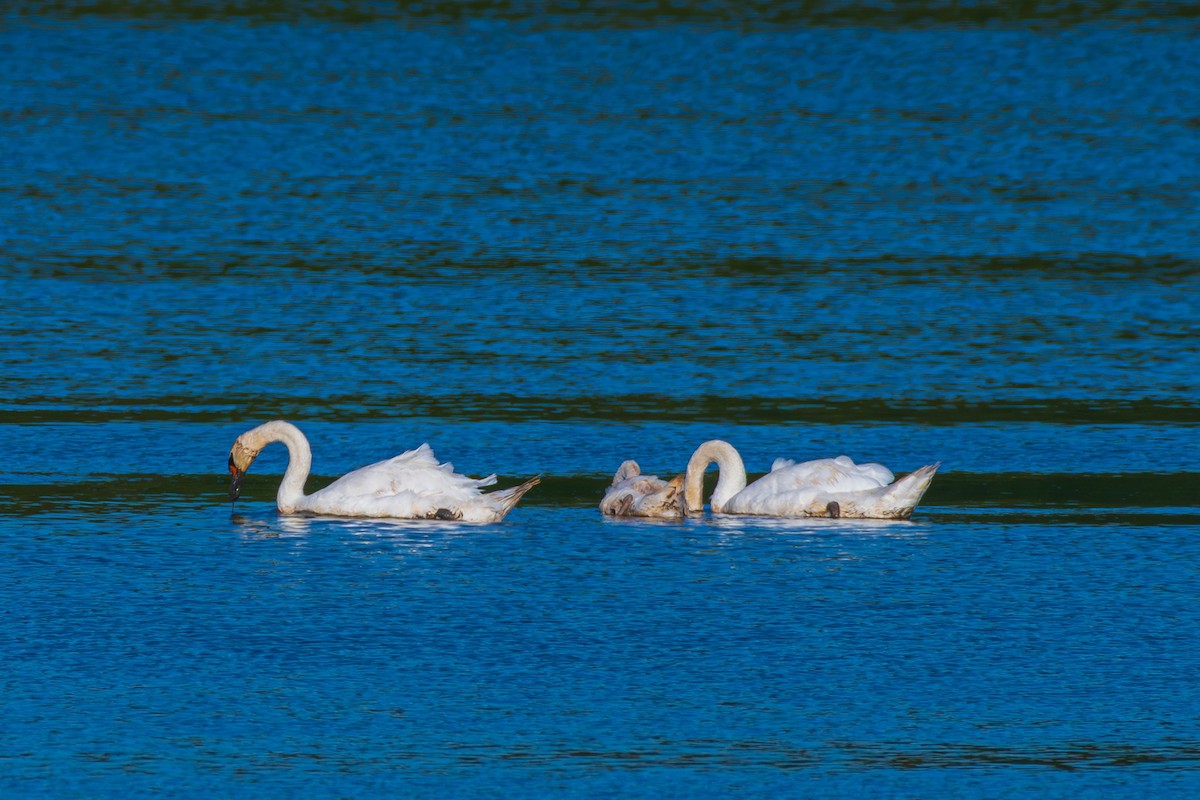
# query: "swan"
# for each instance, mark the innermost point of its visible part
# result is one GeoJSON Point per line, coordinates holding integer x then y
{"type": "Point", "coordinates": [413, 485]}
{"type": "Point", "coordinates": [633, 494]}
{"type": "Point", "coordinates": [828, 487]}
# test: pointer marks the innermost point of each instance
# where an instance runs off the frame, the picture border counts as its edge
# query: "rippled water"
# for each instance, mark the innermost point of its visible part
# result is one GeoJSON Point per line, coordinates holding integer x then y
{"type": "Point", "coordinates": [546, 242]}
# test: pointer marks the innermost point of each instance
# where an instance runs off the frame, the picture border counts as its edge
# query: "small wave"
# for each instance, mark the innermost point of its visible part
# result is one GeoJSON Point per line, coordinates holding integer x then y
{"type": "Point", "coordinates": [635, 13]}
{"type": "Point", "coordinates": [432, 262]}
{"type": "Point", "coordinates": [627, 408]}
{"type": "Point", "coordinates": [1064, 755]}
{"type": "Point", "coordinates": [1151, 497]}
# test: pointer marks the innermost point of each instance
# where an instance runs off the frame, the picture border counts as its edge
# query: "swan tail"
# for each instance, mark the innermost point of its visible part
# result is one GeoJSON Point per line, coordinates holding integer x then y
{"type": "Point", "coordinates": [902, 496]}
{"type": "Point", "coordinates": [506, 499]}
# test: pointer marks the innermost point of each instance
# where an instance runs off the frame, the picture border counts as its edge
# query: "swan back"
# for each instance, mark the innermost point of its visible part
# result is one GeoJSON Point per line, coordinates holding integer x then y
{"type": "Point", "coordinates": [410, 485]}
{"type": "Point", "coordinates": [808, 489]}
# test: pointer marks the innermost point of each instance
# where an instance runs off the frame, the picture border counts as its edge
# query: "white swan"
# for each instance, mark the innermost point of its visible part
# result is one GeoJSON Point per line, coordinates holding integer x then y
{"type": "Point", "coordinates": [828, 487]}
{"type": "Point", "coordinates": [633, 494]}
{"type": "Point", "coordinates": [413, 485]}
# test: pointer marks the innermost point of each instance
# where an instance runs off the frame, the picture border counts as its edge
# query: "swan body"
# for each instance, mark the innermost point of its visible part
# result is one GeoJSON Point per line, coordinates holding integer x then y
{"type": "Point", "coordinates": [633, 494]}
{"type": "Point", "coordinates": [412, 485]}
{"type": "Point", "coordinates": [827, 487]}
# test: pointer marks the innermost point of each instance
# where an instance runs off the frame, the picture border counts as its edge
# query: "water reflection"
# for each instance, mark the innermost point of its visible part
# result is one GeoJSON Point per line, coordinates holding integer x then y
{"type": "Point", "coordinates": [736, 524]}
{"type": "Point", "coordinates": [641, 521]}
{"type": "Point", "coordinates": [409, 532]}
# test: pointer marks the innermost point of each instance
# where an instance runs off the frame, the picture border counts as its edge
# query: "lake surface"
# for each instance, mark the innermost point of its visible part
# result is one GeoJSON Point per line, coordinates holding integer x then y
{"type": "Point", "coordinates": [545, 242]}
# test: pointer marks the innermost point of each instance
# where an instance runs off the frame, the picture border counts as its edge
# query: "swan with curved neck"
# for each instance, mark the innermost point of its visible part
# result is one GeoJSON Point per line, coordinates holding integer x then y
{"type": "Point", "coordinates": [413, 485]}
{"type": "Point", "coordinates": [828, 487]}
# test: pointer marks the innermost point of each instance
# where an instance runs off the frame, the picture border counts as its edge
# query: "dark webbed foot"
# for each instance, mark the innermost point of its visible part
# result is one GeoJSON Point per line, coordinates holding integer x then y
{"type": "Point", "coordinates": [445, 513]}
{"type": "Point", "coordinates": [834, 509]}
{"type": "Point", "coordinates": [624, 505]}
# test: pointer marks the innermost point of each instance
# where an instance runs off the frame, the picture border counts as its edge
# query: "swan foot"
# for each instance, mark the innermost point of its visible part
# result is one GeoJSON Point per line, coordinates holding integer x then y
{"type": "Point", "coordinates": [623, 506]}
{"type": "Point", "coordinates": [834, 509]}
{"type": "Point", "coordinates": [445, 513]}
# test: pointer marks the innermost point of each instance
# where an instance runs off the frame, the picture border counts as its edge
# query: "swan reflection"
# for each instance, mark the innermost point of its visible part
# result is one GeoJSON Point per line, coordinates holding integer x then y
{"type": "Point", "coordinates": [421, 533]}
{"type": "Point", "coordinates": [731, 523]}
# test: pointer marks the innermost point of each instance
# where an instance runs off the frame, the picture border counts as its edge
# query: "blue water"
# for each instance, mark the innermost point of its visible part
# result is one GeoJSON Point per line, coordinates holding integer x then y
{"type": "Point", "coordinates": [548, 242]}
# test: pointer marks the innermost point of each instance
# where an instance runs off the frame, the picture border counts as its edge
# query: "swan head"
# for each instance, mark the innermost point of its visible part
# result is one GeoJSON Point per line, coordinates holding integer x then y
{"type": "Point", "coordinates": [240, 459]}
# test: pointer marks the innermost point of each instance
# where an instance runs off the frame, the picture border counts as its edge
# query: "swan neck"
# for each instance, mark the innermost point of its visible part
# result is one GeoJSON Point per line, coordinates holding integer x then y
{"type": "Point", "coordinates": [291, 488]}
{"type": "Point", "coordinates": [730, 480]}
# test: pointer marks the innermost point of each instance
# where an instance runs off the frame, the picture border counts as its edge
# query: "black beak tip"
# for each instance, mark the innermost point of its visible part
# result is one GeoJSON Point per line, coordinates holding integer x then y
{"type": "Point", "coordinates": [235, 485]}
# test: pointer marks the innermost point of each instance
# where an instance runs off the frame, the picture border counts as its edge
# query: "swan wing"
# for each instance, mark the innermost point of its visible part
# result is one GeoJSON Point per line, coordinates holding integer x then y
{"type": "Point", "coordinates": [839, 474]}
{"type": "Point", "coordinates": [414, 480]}
{"type": "Point", "coordinates": [808, 489]}
{"type": "Point", "coordinates": [833, 472]}
{"type": "Point", "coordinates": [805, 489]}
{"type": "Point", "coordinates": [877, 472]}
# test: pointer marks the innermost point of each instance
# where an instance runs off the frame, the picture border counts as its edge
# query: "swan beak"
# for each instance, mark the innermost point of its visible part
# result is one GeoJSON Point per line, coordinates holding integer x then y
{"type": "Point", "coordinates": [235, 485]}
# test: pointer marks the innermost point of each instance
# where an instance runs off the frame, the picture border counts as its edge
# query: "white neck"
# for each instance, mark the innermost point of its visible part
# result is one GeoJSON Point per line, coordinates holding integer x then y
{"type": "Point", "coordinates": [730, 481]}
{"type": "Point", "coordinates": [291, 489]}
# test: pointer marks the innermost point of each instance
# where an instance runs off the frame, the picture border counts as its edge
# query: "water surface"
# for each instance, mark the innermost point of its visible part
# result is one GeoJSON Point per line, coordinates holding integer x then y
{"type": "Point", "coordinates": [546, 242]}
